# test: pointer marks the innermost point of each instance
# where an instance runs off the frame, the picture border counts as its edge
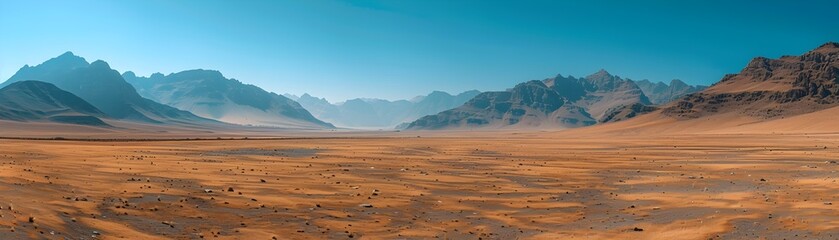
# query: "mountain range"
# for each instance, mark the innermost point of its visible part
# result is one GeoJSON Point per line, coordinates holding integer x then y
{"type": "Point", "coordinates": [41, 101]}
{"type": "Point", "coordinates": [104, 88]}
{"type": "Point", "coordinates": [558, 102]}
{"type": "Point", "coordinates": [207, 93]}
{"type": "Point", "coordinates": [379, 113]}
{"type": "Point", "coordinates": [69, 90]}
{"type": "Point", "coordinates": [788, 94]}
{"type": "Point", "coordinates": [661, 93]}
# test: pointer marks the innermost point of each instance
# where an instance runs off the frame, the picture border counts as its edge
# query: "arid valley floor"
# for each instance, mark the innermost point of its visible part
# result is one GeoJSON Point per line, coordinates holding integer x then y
{"type": "Point", "coordinates": [491, 185]}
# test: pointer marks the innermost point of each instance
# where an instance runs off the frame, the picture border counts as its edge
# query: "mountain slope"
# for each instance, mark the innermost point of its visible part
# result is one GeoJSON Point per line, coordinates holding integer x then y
{"type": "Point", "coordinates": [662, 93]}
{"type": "Point", "coordinates": [559, 102]}
{"type": "Point", "coordinates": [104, 88]}
{"type": "Point", "coordinates": [209, 94]}
{"type": "Point", "coordinates": [436, 102]}
{"type": "Point", "coordinates": [792, 94]}
{"type": "Point", "coordinates": [378, 113]}
{"type": "Point", "coordinates": [319, 107]}
{"type": "Point", "coordinates": [769, 88]}
{"type": "Point", "coordinates": [40, 101]}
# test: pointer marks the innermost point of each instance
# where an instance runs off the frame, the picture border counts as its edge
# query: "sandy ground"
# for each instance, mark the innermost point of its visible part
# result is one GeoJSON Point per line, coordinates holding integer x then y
{"type": "Point", "coordinates": [501, 185]}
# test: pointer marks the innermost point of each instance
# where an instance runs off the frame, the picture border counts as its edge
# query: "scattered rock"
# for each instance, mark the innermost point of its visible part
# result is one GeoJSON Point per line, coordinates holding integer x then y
{"type": "Point", "coordinates": [169, 223]}
{"type": "Point", "coordinates": [365, 205]}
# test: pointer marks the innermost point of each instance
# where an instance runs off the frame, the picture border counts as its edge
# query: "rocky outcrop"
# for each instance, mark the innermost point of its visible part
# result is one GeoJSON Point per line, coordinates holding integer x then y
{"type": "Point", "coordinates": [624, 112]}
{"type": "Point", "coordinates": [770, 88]}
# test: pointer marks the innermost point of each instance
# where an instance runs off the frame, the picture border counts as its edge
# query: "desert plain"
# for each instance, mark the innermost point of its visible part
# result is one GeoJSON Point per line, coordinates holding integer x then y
{"type": "Point", "coordinates": [425, 185]}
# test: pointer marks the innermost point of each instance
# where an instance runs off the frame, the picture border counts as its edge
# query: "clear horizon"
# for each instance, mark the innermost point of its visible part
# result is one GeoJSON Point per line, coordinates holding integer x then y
{"type": "Point", "coordinates": [401, 49]}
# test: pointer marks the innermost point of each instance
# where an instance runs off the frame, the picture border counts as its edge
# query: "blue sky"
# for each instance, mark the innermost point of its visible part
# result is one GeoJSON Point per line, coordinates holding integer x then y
{"type": "Point", "coordinates": [400, 49]}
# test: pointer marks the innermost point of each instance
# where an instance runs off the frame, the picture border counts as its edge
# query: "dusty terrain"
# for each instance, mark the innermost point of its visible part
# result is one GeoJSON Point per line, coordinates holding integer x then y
{"type": "Point", "coordinates": [466, 185]}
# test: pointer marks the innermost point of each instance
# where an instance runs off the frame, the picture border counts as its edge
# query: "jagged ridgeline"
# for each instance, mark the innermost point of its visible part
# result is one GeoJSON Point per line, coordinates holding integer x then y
{"type": "Point", "coordinates": [559, 102]}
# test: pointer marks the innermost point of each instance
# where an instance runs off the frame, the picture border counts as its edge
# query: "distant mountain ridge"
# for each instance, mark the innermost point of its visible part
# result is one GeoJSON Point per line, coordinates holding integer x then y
{"type": "Point", "coordinates": [379, 113]}
{"type": "Point", "coordinates": [41, 101]}
{"type": "Point", "coordinates": [103, 88]}
{"type": "Point", "coordinates": [209, 94]}
{"type": "Point", "coordinates": [661, 93]}
{"type": "Point", "coordinates": [769, 88]}
{"type": "Point", "coordinates": [559, 102]}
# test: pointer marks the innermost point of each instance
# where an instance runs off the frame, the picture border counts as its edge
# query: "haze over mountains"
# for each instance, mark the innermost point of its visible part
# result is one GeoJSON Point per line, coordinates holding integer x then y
{"type": "Point", "coordinates": [379, 113]}
{"type": "Point", "coordinates": [68, 89]}
{"type": "Point", "coordinates": [207, 93]}
{"type": "Point", "coordinates": [197, 98]}
{"type": "Point", "coordinates": [103, 88]}
{"type": "Point", "coordinates": [661, 93]}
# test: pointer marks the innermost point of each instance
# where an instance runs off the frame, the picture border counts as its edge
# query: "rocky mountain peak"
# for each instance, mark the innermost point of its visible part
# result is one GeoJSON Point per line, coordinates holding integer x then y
{"type": "Point", "coordinates": [203, 74]}
{"type": "Point", "coordinates": [156, 76]}
{"type": "Point", "coordinates": [601, 72]}
{"type": "Point", "coordinates": [601, 75]}
{"type": "Point", "coordinates": [676, 83]}
{"type": "Point", "coordinates": [439, 94]}
{"type": "Point", "coordinates": [830, 47]}
{"type": "Point", "coordinates": [67, 54]}
{"type": "Point", "coordinates": [129, 74]}
{"type": "Point", "coordinates": [67, 60]}
{"type": "Point", "coordinates": [602, 80]}
{"type": "Point", "coordinates": [99, 64]}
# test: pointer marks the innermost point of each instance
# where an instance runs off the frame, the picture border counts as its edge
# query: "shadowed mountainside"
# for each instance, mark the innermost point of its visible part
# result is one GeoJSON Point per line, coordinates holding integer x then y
{"type": "Point", "coordinates": [40, 101]}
